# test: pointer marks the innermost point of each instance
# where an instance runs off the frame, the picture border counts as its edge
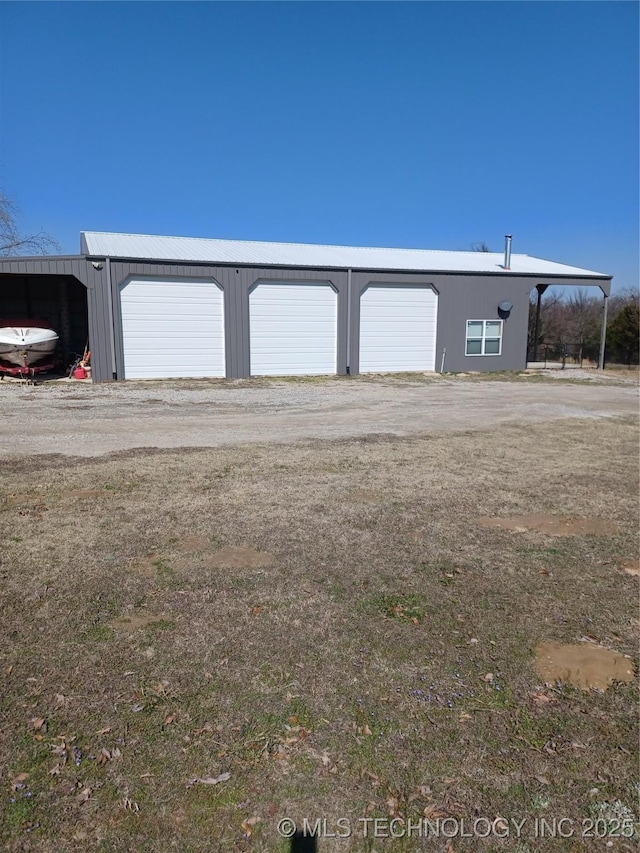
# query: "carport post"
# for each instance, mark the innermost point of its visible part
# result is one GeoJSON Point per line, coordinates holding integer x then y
{"type": "Point", "coordinates": [541, 289]}
{"type": "Point", "coordinates": [603, 332]}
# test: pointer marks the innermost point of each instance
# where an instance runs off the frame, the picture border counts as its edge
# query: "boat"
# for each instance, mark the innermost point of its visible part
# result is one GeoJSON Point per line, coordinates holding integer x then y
{"type": "Point", "coordinates": [26, 342]}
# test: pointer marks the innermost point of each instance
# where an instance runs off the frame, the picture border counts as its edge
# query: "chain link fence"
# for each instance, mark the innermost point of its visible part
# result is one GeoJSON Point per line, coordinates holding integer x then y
{"type": "Point", "coordinates": [563, 355]}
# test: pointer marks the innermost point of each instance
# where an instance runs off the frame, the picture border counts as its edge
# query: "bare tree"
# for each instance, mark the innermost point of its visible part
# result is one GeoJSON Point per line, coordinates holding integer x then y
{"type": "Point", "coordinates": [480, 247]}
{"type": "Point", "coordinates": [13, 241]}
{"type": "Point", "coordinates": [582, 318]}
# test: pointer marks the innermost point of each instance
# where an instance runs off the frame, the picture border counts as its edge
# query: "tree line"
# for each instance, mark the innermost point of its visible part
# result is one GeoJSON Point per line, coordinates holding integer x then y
{"type": "Point", "coordinates": [570, 323]}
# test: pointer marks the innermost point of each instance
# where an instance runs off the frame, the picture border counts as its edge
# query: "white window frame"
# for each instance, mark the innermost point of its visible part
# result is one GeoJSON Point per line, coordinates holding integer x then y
{"type": "Point", "coordinates": [483, 339]}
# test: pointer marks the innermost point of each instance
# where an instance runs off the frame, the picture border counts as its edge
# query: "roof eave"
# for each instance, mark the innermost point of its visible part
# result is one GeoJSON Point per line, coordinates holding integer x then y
{"type": "Point", "coordinates": [343, 268]}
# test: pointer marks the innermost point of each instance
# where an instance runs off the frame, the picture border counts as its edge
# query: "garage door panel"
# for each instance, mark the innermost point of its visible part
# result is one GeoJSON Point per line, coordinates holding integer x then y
{"type": "Point", "coordinates": [397, 328]}
{"type": "Point", "coordinates": [172, 328]}
{"type": "Point", "coordinates": [293, 329]}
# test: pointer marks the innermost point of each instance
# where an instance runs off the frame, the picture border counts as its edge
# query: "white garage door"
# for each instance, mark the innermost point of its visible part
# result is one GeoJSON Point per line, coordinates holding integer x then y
{"type": "Point", "coordinates": [293, 328]}
{"type": "Point", "coordinates": [397, 328]}
{"type": "Point", "coordinates": [172, 328]}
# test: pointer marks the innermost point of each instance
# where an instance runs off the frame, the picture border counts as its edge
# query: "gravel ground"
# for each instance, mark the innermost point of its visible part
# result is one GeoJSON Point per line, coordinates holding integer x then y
{"type": "Point", "coordinates": [80, 419]}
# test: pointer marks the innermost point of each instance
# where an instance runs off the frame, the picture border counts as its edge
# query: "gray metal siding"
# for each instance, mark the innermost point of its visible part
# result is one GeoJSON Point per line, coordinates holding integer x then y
{"type": "Point", "coordinates": [465, 298]}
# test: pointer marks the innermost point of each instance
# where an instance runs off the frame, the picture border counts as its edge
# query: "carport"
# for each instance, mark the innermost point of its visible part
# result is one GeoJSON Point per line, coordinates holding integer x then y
{"type": "Point", "coordinates": [70, 294]}
{"type": "Point", "coordinates": [605, 287]}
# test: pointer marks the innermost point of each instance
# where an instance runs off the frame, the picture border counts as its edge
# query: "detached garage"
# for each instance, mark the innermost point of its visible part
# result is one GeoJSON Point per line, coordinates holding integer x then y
{"type": "Point", "coordinates": [156, 307]}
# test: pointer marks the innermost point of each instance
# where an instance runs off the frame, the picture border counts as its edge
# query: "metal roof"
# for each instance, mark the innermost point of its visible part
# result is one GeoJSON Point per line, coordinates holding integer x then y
{"type": "Point", "coordinates": [249, 252]}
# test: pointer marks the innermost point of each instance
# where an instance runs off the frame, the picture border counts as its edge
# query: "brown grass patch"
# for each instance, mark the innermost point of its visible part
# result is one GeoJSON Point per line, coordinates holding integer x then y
{"type": "Point", "coordinates": [365, 496]}
{"type": "Point", "coordinates": [137, 620]}
{"type": "Point", "coordinates": [631, 567]}
{"type": "Point", "coordinates": [238, 557]}
{"type": "Point", "coordinates": [551, 525]}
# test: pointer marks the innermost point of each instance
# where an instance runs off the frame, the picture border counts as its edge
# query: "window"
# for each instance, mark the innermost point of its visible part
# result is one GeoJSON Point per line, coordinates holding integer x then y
{"type": "Point", "coordinates": [484, 337]}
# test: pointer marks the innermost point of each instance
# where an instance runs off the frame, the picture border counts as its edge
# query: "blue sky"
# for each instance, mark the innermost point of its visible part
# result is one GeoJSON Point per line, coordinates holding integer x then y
{"type": "Point", "coordinates": [434, 125]}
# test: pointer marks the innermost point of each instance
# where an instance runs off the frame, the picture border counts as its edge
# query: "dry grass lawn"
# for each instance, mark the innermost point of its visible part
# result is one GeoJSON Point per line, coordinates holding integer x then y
{"type": "Point", "coordinates": [323, 630]}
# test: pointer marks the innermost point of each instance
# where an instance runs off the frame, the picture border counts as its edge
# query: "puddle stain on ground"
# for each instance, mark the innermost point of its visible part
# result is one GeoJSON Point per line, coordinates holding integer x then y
{"type": "Point", "coordinates": [195, 543]}
{"type": "Point", "coordinates": [631, 567]}
{"type": "Point", "coordinates": [202, 555]}
{"type": "Point", "coordinates": [137, 620]}
{"type": "Point", "coordinates": [585, 665]}
{"type": "Point", "coordinates": [238, 557]}
{"type": "Point", "coordinates": [552, 525]}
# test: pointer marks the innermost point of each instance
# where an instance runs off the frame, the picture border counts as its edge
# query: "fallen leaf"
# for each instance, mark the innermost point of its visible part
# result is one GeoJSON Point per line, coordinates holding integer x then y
{"type": "Point", "coordinates": [432, 812]}
{"type": "Point", "coordinates": [211, 780]}
{"type": "Point", "coordinates": [473, 641]}
{"type": "Point", "coordinates": [369, 775]}
{"type": "Point", "coordinates": [8, 670]}
{"type": "Point", "coordinates": [104, 731]}
{"type": "Point", "coordinates": [59, 700]}
{"type": "Point", "coordinates": [18, 781]}
{"type": "Point", "coordinates": [103, 756]}
{"type": "Point", "coordinates": [542, 779]}
{"type": "Point", "coordinates": [488, 678]}
{"type": "Point", "coordinates": [248, 824]}
{"type": "Point", "coordinates": [541, 699]}
{"type": "Point", "coordinates": [83, 796]}
{"type": "Point", "coordinates": [255, 610]}
{"type": "Point", "coordinates": [37, 722]}
{"type": "Point", "coordinates": [465, 717]}
{"type": "Point", "coordinates": [170, 718]}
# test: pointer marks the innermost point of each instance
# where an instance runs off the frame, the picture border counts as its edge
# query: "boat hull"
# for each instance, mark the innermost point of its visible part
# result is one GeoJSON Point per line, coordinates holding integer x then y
{"type": "Point", "coordinates": [26, 345]}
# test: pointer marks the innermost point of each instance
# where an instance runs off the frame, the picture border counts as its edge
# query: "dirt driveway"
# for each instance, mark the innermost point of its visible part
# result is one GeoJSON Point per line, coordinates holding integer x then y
{"type": "Point", "coordinates": [90, 420]}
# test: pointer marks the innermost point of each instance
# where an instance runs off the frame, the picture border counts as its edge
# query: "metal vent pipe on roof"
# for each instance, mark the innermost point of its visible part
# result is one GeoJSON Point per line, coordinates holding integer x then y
{"type": "Point", "coordinates": [507, 251]}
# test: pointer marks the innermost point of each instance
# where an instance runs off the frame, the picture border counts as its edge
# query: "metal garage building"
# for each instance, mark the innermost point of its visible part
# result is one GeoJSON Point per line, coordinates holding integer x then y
{"type": "Point", "coordinates": [162, 307]}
